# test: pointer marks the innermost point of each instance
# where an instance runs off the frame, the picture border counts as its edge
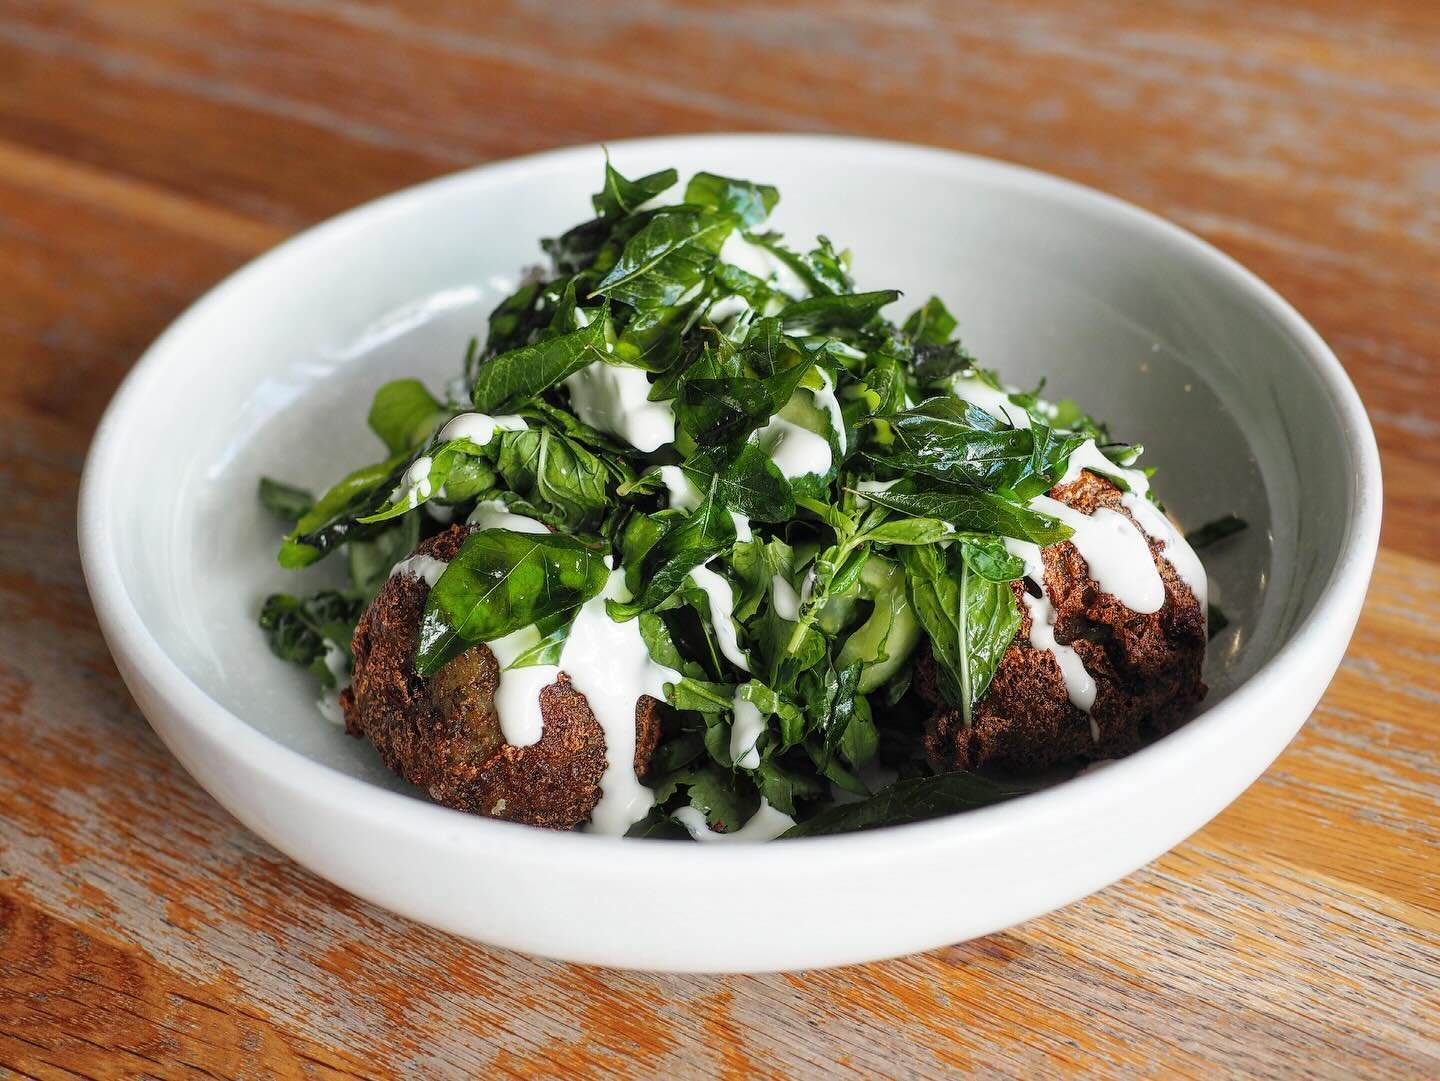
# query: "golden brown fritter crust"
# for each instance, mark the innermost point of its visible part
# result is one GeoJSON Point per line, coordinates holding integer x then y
{"type": "Point", "coordinates": [442, 734]}
{"type": "Point", "coordinates": [1146, 667]}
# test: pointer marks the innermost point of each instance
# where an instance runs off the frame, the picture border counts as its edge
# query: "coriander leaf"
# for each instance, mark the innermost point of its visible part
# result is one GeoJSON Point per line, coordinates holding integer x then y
{"type": "Point", "coordinates": [725, 799]}
{"type": "Point", "coordinates": [783, 788]}
{"type": "Point", "coordinates": [621, 196]}
{"type": "Point", "coordinates": [912, 800]}
{"type": "Point", "coordinates": [509, 380]}
{"type": "Point", "coordinates": [403, 414]}
{"type": "Point", "coordinates": [976, 511]}
{"type": "Point", "coordinates": [750, 203]}
{"type": "Point", "coordinates": [667, 258]}
{"type": "Point", "coordinates": [658, 825]}
{"type": "Point", "coordinates": [705, 533]}
{"type": "Point", "coordinates": [499, 582]}
{"type": "Point", "coordinates": [1211, 532]}
{"type": "Point", "coordinates": [285, 501]}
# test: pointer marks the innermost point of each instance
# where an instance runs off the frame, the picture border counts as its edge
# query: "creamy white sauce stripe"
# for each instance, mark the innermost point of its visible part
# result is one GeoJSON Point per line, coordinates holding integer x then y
{"type": "Point", "coordinates": [609, 663]}
{"type": "Point", "coordinates": [616, 399]}
{"type": "Point", "coordinates": [794, 448]}
{"type": "Point", "coordinates": [480, 428]}
{"type": "Point", "coordinates": [338, 663]}
{"type": "Point", "coordinates": [722, 618]}
{"type": "Point", "coordinates": [1115, 551]}
{"type": "Point", "coordinates": [748, 726]}
{"type": "Point", "coordinates": [1079, 684]}
{"type": "Point", "coordinates": [969, 387]}
{"type": "Point", "coordinates": [517, 698]}
{"type": "Point", "coordinates": [826, 400]}
{"type": "Point", "coordinates": [1176, 549]}
{"type": "Point", "coordinates": [784, 598]}
{"type": "Point", "coordinates": [427, 568]}
{"type": "Point", "coordinates": [765, 824]}
{"type": "Point", "coordinates": [493, 514]}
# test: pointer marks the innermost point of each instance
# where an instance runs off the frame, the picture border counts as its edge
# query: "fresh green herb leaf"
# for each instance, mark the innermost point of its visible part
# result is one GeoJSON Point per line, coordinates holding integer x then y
{"type": "Point", "coordinates": [499, 582]}
{"type": "Point", "coordinates": [667, 258]}
{"type": "Point", "coordinates": [750, 203]}
{"type": "Point", "coordinates": [404, 414]}
{"type": "Point", "coordinates": [509, 380]}
{"type": "Point", "coordinates": [706, 532]}
{"type": "Point", "coordinates": [285, 501]}
{"type": "Point", "coordinates": [620, 196]}
{"type": "Point", "coordinates": [913, 800]}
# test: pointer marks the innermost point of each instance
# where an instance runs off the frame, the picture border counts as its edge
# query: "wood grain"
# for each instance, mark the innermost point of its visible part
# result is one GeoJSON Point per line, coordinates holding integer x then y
{"type": "Point", "coordinates": [149, 147]}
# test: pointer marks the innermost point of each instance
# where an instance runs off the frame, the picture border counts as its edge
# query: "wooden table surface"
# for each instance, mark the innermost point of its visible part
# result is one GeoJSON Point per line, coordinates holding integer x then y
{"type": "Point", "coordinates": [148, 147]}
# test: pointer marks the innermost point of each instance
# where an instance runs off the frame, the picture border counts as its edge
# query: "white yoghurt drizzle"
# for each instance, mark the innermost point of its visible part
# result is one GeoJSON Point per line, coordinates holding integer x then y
{"type": "Point", "coordinates": [794, 448]}
{"type": "Point", "coordinates": [517, 696]}
{"type": "Point", "coordinates": [616, 399]}
{"type": "Point", "coordinates": [826, 400]}
{"type": "Point", "coordinates": [970, 387]}
{"type": "Point", "coordinates": [1079, 685]}
{"type": "Point", "coordinates": [745, 731]}
{"type": "Point", "coordinates": [1175, 548]}
{"type": "Point", "coordinates": [722, 614]}
{"type": "Point", "coordinates": [609, 663]}
{"type": "Point", "coordinates": [765, 824]}
{"type": "Point", "coordinates": [784, 598]}
{"type": "Point", "coordinates": [480, 428]}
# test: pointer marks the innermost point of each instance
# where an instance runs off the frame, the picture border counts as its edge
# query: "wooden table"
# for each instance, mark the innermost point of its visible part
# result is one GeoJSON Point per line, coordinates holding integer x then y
{"type": "Point", "coordinates": [148, 147]}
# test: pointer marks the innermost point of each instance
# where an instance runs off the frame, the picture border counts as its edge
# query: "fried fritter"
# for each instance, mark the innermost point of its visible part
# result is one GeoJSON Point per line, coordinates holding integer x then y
{"type": "Point", "coordinates": [1147, 668]}
{"type": "Point", "coordinates": [443, 735]}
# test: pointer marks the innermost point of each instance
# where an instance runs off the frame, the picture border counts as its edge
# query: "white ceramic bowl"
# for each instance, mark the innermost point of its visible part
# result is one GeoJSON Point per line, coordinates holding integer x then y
{"type": "Point", "coordinates": [1239, 402]}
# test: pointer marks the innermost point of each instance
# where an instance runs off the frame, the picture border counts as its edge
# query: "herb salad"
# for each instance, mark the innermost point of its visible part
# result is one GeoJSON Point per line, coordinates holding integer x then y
{"type": "Point", "coordinates": [693, 462]}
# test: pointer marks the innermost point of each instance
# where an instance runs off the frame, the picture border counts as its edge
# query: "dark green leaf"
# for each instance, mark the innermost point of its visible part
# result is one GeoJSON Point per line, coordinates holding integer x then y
{"type": "Point", "coordinates": [621, 196]}
{"type": "Point", "coordinates": [285, 501]}
{"type": "Point", "coordinates": [404, 414]}
{"type": "Point", "coordinates": [750, 203]}
{"type": "Point", "coordinates": [931, 323]}
{"type": "Point", "coordinates": [912, 800]}
{"type": "Point", "coordinates": [831, 312]}
{"type": "Point", "coordinates": [499, 582]}
{"type": "Point", "coordinates": [705, 533]}
{"type": "Point", "coordinates": [989, 618]}
{"type": "Point", "coordinates": [975, 511]}
{"type": "Point", "coordinates": [509, 380]}
{"type": "Point", "coordinates": [667, 258]}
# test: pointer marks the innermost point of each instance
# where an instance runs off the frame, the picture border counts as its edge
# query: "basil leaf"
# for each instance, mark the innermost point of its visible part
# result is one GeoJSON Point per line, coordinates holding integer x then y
{"type": "Point", "coordinates": [955, 442]}
{"type": "Point", "coordinates": [913, 800]}
{"type": "Point", "coordinates": [334, 517]}
{"type": "Point", "coordinates": [750, 483]}
{"type": "Point", "coordinates": [509, 380]}
{"type": "Point", "coordinates": [989, 558]}
{"type": "Point", "coordinates": [976, 511]}
{"type": "Point", "coordinates": [845, 310]}
{"type": "Point", "coordinates": [931, 323]}
{"type": "Point", "coordinates": [403, 414]}
{"type": "Point", "coordinates": [750, 203]}
{"type": "Point", "coordinates": [667, 258]}
{"type": "Point", "coordinates": [499, 582]}
{"type": "Point", "coordinates": [908, 531]}
{"type": "Point", "coordinates": [620, 196]}
{"type": "Point", "coordinates": [705, 533]}
{"type": "Point", "coordinates": [715, 411]}
{"type": "Point", "coordinates": [935, 597]}
{"type": "Point", "coordinates": [989, 618]}
{"type": "Point", "coordinates": [285, 501]}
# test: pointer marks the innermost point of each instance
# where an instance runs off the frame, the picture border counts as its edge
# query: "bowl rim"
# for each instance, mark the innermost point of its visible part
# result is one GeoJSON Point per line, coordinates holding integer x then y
{"type": "Point", "coordinates": [128, 634]}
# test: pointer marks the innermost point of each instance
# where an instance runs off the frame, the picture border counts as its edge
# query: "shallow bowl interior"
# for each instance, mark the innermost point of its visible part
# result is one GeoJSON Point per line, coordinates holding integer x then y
{"type": "Point", "coordinates": [1236, 401]}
